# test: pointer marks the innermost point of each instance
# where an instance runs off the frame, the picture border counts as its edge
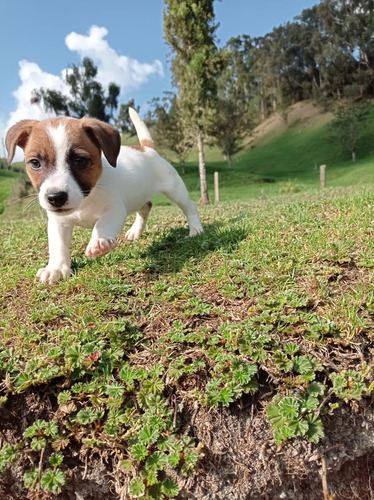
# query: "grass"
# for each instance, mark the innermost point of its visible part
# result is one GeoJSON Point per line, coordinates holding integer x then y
{"type": "Point", "coordinates": [268, 291]}
{"type": "Point", "coordinates": [7, 179]}
{"type": "Point", "coordinates": [272, 304]}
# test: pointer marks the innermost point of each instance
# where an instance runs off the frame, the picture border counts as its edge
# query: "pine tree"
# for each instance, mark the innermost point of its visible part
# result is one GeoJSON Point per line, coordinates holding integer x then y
{"type": "Point", "coordinates": [190, 32]}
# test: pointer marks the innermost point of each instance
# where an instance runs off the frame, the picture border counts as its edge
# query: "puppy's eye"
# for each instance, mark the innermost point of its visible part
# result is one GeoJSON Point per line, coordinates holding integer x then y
{"type": "Point", "coordinates": [80, 162]}
{"type": "Point", "coordinates": [35, 164]}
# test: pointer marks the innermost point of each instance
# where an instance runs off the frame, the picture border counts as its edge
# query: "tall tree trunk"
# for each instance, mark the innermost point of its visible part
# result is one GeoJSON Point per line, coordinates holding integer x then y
{"type": "Point", "coordinates": [229, 162]}
{"type": "Point", "coordinates": [183, 166]}
{"type": "Point", "coordinates": [202, 171]}
{"type": "Point", "coordinates": [262, 108]}
{"type": "Point", "coordinates": [370, 69]}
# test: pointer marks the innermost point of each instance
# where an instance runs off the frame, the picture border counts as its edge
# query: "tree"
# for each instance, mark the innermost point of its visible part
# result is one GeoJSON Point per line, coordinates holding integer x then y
{"type": "Point", "coordinates": [123, 121]}
{"type": "Point", "coordinates": [190, 32]}
{"type": "Point", "coordinates": [168, 127]}
{"type": "Point", "coordinates": [86, 96]}
{"type": "Point", "coordinates": [235, 86]}
{"type": "Point", "coordinates": [347, 126]}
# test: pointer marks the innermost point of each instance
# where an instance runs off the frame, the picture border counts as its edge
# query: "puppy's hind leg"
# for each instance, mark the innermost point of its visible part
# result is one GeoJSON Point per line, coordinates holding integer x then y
{"type": "Point", "coordinates": [177, 192]}
{"type": "Point", "coordinates": [136, 230]}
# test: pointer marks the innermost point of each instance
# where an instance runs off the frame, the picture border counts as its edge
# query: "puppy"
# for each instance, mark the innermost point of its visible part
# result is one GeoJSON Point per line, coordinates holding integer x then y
{"type": "Point", "coordinates": [71, 163]}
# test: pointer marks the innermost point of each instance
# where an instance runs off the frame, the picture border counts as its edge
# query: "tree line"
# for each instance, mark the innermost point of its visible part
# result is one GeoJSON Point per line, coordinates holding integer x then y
{"type": "Point", "coordinates": [325, 54]}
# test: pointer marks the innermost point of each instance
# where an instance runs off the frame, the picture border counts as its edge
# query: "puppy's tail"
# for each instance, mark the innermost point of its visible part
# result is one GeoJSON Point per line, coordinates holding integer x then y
{"type": "Point", "coordinates": [144, 135]}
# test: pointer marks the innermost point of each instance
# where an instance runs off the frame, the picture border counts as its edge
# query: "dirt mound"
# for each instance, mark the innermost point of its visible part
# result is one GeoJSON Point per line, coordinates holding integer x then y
{"type": "Point", "coordinates": [240, 460]}
{"type": "Point", "coordinates": [302, 115]}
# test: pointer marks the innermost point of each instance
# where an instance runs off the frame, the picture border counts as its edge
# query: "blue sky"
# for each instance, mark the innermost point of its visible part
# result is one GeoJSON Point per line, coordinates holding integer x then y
{"type": "Point", "coordinates": [130, 50]}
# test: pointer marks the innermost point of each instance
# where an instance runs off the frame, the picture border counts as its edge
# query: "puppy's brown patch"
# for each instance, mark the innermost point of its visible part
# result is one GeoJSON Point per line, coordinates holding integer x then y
{"type": "Point", "coordinates": [39, 146]}
{"type": "Point", "coordinates": [82, 146]}
{"type": "Point", "coordinates": [144, 143]}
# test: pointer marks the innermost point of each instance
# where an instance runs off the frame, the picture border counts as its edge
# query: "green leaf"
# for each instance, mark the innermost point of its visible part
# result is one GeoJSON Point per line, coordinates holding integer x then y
{"type": "Point", "coordinates": [36, 429]}
{"type": "Point", "coordinates": [139, 452]}
{"type": "Point", "coordinates": [51, 430]}
{"type": "Point", "coordinates": [64, 397]}
{"type": "Point", "coordinates": [315, 431]}
{"type": "Point", "coordinates": [8, 454]}
{"type": "Point", "coordinates": [23, 381]}
{"type": "Point", "coordinates": [282, 361]}
{"type": "Point", "coordinates": [153, 385]}
{"type": "Point", "coordinates": [86, 417]}
{"type": "Point", "coordinates": [174, 459]}
{"type": "Point", "coordinates": [38, 444]}
{"type": "Point", "coordinates": [170, 488]}
{"type": "Point", "coordinates": [310, 403]}
{"type": "Point", "coordinates": [299, 427]}
{"type": "Point", "coordinates": [137, 487]}
{"type": "Point", "coordinates": [213, 391]}
{"type": "Point", "coordinates": [291, 348]}
{"type": "Point", "coordinates": [128, 374]}
{"type": "Point", "coordinates": [283, 434]}
{"type": "Point", "coordinates": [289, 407]}
{"type": "Point", "coordinates": [30, 477]}
{"type": "Point", "coordinates": [177, 336]}
{"type": "Point", "coordinates": [191, 456]}
{"type": "Point", "coordinates": [147, 435]}
{"type": "Point", "coordinates": [114, 390]}
{"type": "Point", "coordinates": [316, 389]}
{"type": "Point", "coordinates": [156, 461]}
{"type": "Point", "coordinates": [302, 364]}
{"type": "Point", "coordinates": [276, 419]}
{"type": "Point", "coordinates": [53, 480]}
{"type": "Point", "coordinates": [225, 397]}
{"type": "Point", "coordinates": [349, 384]}
{"type": "Point", "coordinates": [56, 459]}
{"type": "Point", "coordinates": [75, 355]}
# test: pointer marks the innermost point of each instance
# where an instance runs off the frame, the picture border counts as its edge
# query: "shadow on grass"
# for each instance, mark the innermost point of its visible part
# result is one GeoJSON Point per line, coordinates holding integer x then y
{"type": "Point", "coordinates": [172, 251]}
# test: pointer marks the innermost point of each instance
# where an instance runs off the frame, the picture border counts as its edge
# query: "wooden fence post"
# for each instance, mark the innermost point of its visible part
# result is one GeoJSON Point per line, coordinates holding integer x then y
{"type": "Point", "coordinates": [322, 176]}
{"type": "Point", "coordinates": [216, 187]}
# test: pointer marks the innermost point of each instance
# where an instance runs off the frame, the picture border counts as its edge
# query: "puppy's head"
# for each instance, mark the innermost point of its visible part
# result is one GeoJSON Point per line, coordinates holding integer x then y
{"type": "Point", "coordinates": [63, 157]}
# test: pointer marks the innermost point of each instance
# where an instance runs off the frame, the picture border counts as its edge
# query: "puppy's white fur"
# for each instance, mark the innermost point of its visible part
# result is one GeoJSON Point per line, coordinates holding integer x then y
{"type": "Point", "coordinates": [61, 178]}
{"type": "Point", "coordinates": [140, 174]}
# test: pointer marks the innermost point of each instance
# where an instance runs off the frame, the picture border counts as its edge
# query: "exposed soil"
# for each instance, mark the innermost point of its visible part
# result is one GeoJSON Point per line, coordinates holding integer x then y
{"type": "Point", "coordinates": [301, 115]}
{"type": "Point", "coordinates": [240, 460]}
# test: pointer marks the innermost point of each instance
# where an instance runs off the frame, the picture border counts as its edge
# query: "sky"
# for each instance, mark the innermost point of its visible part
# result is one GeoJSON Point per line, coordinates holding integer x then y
{"type": "Point", "coordinates": [41, 38]}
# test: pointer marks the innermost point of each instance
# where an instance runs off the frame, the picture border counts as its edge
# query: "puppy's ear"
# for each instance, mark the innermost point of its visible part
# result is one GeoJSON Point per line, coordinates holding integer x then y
{"type": "Point", "coordinates": [18, 135]}
{"type": "Point", "coordinates": [106, 136]}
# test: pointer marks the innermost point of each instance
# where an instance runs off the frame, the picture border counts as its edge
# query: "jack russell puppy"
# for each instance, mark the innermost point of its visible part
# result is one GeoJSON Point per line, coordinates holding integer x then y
{"type": "Point", "coordinates": [77, 185]}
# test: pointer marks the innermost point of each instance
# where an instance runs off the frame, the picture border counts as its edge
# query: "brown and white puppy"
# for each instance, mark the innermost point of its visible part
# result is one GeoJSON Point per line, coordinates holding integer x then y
{"type": "Point", "coordinates": [77, 185]}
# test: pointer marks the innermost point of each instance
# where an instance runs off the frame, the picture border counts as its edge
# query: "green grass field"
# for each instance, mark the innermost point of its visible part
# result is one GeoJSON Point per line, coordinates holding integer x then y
{"type": "Point", "coordinates": [7, 179]}
{"type": "Point", "coordinates": [267, 315]}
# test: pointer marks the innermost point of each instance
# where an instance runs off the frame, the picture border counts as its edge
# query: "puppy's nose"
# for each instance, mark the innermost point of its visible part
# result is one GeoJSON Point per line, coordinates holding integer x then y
{"type": "Point", "coordinates": [57, 199]}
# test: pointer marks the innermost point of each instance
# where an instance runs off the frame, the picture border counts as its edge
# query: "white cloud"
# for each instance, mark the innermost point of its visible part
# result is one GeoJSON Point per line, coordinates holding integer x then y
{"type": "Point", "coordinates": [32, 77]}
{"type": "Point", "coordinates": [112, 67]}
{"type": "Point", "coordinates": [129, 73]}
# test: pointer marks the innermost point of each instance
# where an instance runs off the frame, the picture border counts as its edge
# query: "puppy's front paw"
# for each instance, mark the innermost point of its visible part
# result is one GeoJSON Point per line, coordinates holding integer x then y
{"type": "Point", "coordinates": [196, 229]}
{"type": "Point", "coordinates": [49, 275]}
{"type": "Point", "coordinates": [99, 247]}
{"type": "Point", "coordinates": [134, 233]}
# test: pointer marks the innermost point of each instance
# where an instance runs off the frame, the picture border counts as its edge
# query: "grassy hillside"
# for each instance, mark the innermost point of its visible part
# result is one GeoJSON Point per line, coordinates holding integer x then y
{"type": "Point", "coordinates": [287, 158]}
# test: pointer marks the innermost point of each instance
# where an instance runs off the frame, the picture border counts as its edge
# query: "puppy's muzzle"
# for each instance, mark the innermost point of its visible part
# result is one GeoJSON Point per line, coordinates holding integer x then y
{"type": "Point", "coordinates": [57, 199]}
